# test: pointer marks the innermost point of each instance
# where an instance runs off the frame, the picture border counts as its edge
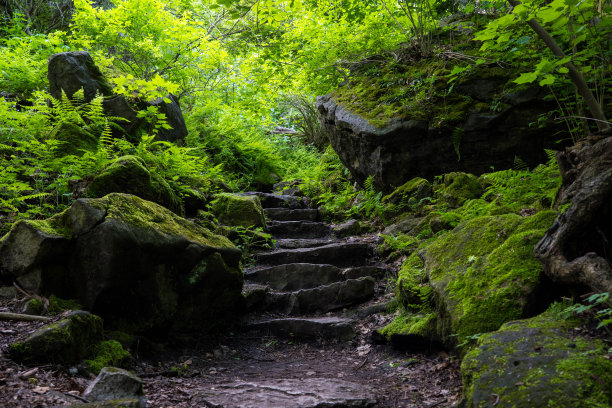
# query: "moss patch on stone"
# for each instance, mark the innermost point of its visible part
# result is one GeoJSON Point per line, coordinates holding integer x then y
{"type": "Point", "coordinates": [74, 140]}
{"type": "Point", "coordinates": [240, 211]}
{"type": "Point", "coordinates": [538, 362]}
{"type": "Point", "coordinates": [419, 324]}
{"type": "Point", "coordinates": [129, 175]}
{"type": "Point", "coordinates": [137, 212]}
{"type": "Point", "coordinates": [456, 188]}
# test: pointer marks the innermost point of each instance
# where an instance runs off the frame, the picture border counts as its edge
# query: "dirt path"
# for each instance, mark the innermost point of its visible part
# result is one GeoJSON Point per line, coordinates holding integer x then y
{"type": "Point", "coordinates": [307, 342]}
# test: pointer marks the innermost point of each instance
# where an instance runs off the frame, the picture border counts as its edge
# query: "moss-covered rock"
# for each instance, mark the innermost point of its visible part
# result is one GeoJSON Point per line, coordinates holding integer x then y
{"type": "Point", "coordinates": [133, 262]}
{"type": "Point", "coordinates": [410, 194]}
{"type": "Point", "coordinates": [74, 140]}
{"type": "Point", "coordinates": [235, 210]}
{"type": "Point", "coordinates": [106, 354]}
{"type": "Point", "coordinates": [456, 188]}
{"type": "Point", "coordinates": [129, 175]}
{"type": "Point", "coordinates": [484, 274]}
{"type": "Point", "coordinates": [67, 341]}
{"type": "Point", "coordinates": [537, 363]}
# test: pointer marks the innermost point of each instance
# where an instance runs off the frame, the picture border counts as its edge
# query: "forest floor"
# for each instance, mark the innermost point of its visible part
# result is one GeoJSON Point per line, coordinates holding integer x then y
{"type": "Point", "coordinates": [178, 376]}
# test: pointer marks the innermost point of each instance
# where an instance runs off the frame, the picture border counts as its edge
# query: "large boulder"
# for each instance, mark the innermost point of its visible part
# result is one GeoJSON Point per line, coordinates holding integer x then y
{"type": "Point", "coordinates": [236, 210]}
{"type": "Point", "coordinates": [129, 175]}
{"type": "Point", "coordinates": [131, 261]}
{"type": "Point", "coordinates": [539, 362]}
{"type": "Point", "coordinates": [71, 71]}
{"type": "Point", "coordinates": [417, 144]}
{"type": "Point", "coordinates": [482, 274]}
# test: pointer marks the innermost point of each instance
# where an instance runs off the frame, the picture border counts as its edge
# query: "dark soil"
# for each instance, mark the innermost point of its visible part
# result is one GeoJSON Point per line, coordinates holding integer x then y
{"type": "Point", "coordinates": [173, 375]}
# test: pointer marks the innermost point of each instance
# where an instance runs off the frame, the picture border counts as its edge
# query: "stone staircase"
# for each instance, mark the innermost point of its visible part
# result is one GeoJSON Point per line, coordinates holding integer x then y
{"type": "Point", "coordinates": [308, 286]}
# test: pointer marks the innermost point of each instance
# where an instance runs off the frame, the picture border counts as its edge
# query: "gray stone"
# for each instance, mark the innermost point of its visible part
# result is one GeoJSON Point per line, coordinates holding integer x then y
{"type": "Point", "coordinates": [254, 294]}
{"type": "Point", "coordinates": [349, 228]}
{"type": "Point", "coordinates": [363, 271]}
{"type": "Point", "coordinates": [174, 118]}
{"type": "Point", "coordinates": [406, 225]}
{"type": "Point", "coordinates": [295, 276]}
{"type": "Point", "coordinates": [269, 200]}
{"type": "Point", "coordinates": [289, 243]}
{"type": "Point", "coordinates": [322, 299]}
{"type": "Point", "coordinates": [287, 214]}
{"type": "Point", "coordinates": [330, 328]}
{"type": "Point", "coordinates": [71, 71]}
{"type": "Point", "coordinates": [298, 229]}
{"type": "Point", "coordinates": [339, 254]}
{"type": "Point", "coordinates": [282, 393]}
{"type": "Point", "coordinates": [113, 384]}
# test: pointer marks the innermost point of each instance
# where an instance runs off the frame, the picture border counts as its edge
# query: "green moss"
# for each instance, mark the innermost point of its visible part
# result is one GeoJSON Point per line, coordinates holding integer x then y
{"type": "Point", "coordinates": [137, 212]}
{"type": "Point", "coordinates": [74, 140]}
{"type": "Point", "coordinates": [129, 175]}
{"type": "Point", "coordinates": [419, 324]}
{"type": "Point", "coordinates": [538, 362]}
{"type": "Point", "coordinates": [108, 353]}
{"type": "Point", "coordinates": [235, 210]}
{"type": "Point", "coordinates": [34, 306]}
{"type": "Point", "coordinates": [53, 226]}
{"type": "Point", "coordinates": [57, 305]}
{"type": "Point", "coordinates": [483, 272]}
{"type": "Point", "coordinates": [412, 288]}
{"type": "Point", "coordinates": [456, 188]}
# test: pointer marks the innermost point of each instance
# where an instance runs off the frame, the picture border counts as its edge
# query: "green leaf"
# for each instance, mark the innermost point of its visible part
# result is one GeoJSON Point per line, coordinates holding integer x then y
{"type": "Point", "coordinates": [526, 78]}
{"type": "Point", "coordinates": [548, 80]}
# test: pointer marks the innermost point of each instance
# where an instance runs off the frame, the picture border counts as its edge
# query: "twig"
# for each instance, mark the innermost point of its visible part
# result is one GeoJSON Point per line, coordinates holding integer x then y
{"type": "Point", "coordinates": [496, 399]}
{"type": "Point", "coordinates": [85, 400]}
{"type": "Point", "coordinates": [23, 317]}
{"type": "Point", "coordinates": [582, 117]}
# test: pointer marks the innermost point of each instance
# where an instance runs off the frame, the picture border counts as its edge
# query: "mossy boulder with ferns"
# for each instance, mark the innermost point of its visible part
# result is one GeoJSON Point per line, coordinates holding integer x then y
{"type": "Point", "coordinates": [129, 175]}
{"type": "Point", "coordinates": [131, 261]}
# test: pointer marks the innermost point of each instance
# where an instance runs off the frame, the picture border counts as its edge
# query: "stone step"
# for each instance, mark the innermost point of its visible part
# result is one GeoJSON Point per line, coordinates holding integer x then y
{"type": "Point", "coordinates": [357, 272]}
{"type": "Point", "coordinates": [320, 299]}
{"type": "Point", "coordinates": [295, 276]}
{"type": "Point", "coordinates": [298, 229]}
{"type": "Point", "coordinates": [343, 254]}
{"type": "Point", "coordinates": [269, 200]}
{"type": "Point", "coordinates": [288, 214]}
{"type": "Point", "coordinates": [332, 328]}
{"type": "Point", "coordinates": [291, 243]}
{"type": "Point", "coordinates": [285, 392]}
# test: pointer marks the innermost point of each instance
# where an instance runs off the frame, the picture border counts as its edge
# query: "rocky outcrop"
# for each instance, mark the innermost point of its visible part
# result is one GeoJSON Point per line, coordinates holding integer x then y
{"type": "Point", "coordinates": [405, 148]}
{"type": "Point", "coordinates": [576, 250]}
{"type": "Point", "coordinates": [71, 71]}
{"type": "Point", "coordinates": [535, 363]}
{"type": "Point", "coordinates": [131, 261]}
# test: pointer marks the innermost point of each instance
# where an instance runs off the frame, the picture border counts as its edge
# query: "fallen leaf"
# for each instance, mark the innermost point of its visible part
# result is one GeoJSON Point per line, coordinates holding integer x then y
{"type": "Point", "coordinates": [40, 390]}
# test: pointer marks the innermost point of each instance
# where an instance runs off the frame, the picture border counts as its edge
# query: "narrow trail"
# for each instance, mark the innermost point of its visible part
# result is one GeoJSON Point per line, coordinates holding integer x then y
{"type": "Point", "coordinates": [313, 302]}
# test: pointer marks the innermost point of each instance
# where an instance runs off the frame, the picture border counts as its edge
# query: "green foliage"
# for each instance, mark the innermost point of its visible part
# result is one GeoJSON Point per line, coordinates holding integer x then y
{"type": "Point", "coordinates": [596, 306]}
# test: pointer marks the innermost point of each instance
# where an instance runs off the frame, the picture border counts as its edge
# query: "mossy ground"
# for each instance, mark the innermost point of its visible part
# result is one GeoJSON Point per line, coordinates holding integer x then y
{"type": "Point", "coordinates": [109, 353]}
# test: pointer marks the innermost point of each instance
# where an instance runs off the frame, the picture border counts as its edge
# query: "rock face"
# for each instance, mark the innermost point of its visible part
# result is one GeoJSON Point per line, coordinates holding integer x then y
{"type": "Point", "coordinates": [65, 342]}
{"type": "Point", "coordinates": [71, 71]}
{"type": "Point", "coordinates": [537, 363]}
{"type": "Point", "coordinates": [408, 148]}
{"type": "Point", "coordinates": [235, 210]}
{"type": "Point", "coordinates": [131, 261]}
{"type": "Point", "coordinates": [576, 250]}
{"type": "Point", "coordinates": [129, 175]}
